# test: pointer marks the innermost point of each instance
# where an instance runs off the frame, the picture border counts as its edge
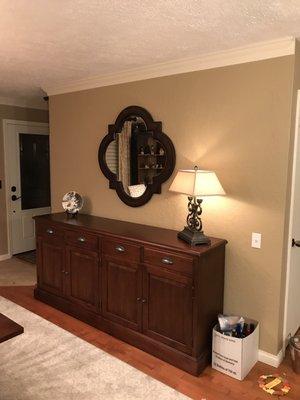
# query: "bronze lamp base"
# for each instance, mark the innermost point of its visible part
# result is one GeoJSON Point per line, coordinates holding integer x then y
{"type": "Point", "coordinates": [193, 237]}
{"type": "Point", "coordinates": [192, 233]}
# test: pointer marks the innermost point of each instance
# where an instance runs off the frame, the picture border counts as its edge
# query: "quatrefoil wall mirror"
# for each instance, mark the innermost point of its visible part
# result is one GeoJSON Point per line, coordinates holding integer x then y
{"type": "Point", "coordinates": [136, 156]}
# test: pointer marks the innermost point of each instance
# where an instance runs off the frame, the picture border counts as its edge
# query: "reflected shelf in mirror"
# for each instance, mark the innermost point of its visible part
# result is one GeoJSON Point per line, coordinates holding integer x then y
{"type": "Point", "coordinates": [132, 167]}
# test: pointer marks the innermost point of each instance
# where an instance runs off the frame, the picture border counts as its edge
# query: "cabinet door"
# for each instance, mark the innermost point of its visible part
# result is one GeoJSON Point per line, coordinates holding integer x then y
{"type": "Point", "coordinates": [50, 266]}
{"type": "Point", "coordinates": [82, 277]}
{"type": "Point", "coordinates": [122, 292]}
{"type": "Point", "coordinates": [168, 307]}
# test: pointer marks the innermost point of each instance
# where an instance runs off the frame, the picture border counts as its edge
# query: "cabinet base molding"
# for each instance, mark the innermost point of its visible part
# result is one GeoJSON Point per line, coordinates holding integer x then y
{"type": "Point", "coordinates": [183, 361]}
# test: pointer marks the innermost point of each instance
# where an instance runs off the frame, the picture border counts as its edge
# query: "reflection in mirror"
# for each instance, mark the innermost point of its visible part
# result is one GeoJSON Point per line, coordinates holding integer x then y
{"type": "Point", "coordinates": [111, 157]}
{"type": "Point", "coordinates": [135, 156]}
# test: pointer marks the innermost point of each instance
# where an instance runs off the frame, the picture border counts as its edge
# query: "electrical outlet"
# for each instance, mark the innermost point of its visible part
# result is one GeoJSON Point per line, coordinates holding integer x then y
{"type": "Point", "coordinates": [256, 240]}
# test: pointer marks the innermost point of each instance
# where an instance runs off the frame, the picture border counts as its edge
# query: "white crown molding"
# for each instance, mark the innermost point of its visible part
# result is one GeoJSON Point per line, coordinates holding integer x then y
{"type": "Point", "coordinates": [39, 104]}
{"type": "Point", "coordinates": [254, 52]}
{"type": "Point", "coordinates": [270, 359]}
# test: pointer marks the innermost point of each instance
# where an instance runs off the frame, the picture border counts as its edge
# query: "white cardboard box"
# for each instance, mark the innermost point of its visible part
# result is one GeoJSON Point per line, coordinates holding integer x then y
{"type": "Point", "coordinates": [233, 356]}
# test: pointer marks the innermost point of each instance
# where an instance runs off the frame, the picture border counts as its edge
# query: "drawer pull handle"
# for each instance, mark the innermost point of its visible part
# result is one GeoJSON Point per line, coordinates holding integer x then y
{"type": "Point", "coordinates": [81, 239]}
{"type": "Point", "coordinates": [167, 260]}
{"type": "Point", "coordinates": [50, 231]}
{"type": "Point", "coordinates": [120, 249]}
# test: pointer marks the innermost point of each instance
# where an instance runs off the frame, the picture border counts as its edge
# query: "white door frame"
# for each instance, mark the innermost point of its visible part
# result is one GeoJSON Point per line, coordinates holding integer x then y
{"type": "Point", "coordinates": [5, 124]}
{"type": "Point", "coordinates": [291, 216]}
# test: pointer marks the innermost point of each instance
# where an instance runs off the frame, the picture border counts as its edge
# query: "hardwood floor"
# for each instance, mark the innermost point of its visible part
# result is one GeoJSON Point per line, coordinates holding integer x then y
{"type": "Point", "coordinates": [210, 385]}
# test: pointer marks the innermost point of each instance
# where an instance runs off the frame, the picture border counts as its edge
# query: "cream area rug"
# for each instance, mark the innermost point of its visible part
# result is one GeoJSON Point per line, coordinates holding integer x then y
{"type": "Point", "coordinates": [49, 363]}
{"type": "Point", "coordinates": [15, 272]}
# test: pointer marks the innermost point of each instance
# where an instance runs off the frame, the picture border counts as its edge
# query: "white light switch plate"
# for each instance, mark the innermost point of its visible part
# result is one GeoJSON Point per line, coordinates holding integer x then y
{"type": "Point", "coordinates": [256, 240]}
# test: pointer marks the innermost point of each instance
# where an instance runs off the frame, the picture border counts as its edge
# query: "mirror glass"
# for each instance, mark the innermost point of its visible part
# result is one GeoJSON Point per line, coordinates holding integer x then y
{"type": "Point", "coordinates": [135, 156]}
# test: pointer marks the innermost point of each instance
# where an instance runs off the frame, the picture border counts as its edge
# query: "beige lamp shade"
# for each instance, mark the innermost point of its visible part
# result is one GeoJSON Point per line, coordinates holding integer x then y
{"type": "Point", "coordinates": [196, 182]}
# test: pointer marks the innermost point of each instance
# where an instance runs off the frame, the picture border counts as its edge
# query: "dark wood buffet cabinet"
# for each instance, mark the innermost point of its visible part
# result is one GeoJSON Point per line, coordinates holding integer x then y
{"type": "Point", "coordinates": [138, 283]}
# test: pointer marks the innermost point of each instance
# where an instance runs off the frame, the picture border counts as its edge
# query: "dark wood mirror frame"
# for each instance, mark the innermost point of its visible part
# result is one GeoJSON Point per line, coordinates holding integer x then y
{"type": "Point", "coordinates": [152, 126]}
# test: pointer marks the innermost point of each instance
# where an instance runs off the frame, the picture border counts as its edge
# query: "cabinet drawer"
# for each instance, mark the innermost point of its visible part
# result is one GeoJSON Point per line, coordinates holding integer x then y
{"type": "Point", "coordinates": [171, 261]}
{"type": "Point", "coordinates": [82, 239]}
{"type": "Point", "coordinates": [123, 250]}
{"type": "Point", "coordinates": [49, 231]}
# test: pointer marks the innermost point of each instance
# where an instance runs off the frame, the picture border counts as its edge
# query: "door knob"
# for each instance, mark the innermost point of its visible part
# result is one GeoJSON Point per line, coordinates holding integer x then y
{"type": "Point", "coordinates": [14, 197]}
{"type": "Point", "coordinates": [295, 243]}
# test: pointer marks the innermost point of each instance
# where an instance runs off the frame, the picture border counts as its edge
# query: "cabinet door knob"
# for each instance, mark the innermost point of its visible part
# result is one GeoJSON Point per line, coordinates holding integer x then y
{"type": "Point", "coordinates": [63, 271]}
{"type": "Point", "coordinates": [120, 249]}
{"type": "Point", "coordinates": [167, 260]}
{"type": "Point", "coordinates": [81, 239]}
{"type": "Point", "coordinates": [138, 299]}
{"type": "Point", "coordinates": [50, 231]}
{"type": "Point", "coordinates": [66, 273]}
{"type": "Point", "coordinates": [144, 300]}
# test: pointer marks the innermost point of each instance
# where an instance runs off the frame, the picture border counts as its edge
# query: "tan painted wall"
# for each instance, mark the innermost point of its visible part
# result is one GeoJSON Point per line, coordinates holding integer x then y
{"type": "Point", "coordinates": [234, 120]}
{"type": "Point", "coordinates": [19, 113]}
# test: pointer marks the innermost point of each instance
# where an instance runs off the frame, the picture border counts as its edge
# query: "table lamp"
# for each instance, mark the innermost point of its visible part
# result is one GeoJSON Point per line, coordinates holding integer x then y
{"type": "Point", "coordinates": [195, 183]}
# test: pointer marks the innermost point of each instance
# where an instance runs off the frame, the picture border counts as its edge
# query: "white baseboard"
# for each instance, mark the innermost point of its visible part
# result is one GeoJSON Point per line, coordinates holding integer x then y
{"type": "Point", "coordinates": [270, 359]}
{"type": "Point", "coordinates": [4, 257]}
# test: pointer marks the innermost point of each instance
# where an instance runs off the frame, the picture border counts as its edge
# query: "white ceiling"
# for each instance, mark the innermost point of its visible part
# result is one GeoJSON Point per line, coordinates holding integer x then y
{"type": "Point", "coordinates": [49, 42]}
